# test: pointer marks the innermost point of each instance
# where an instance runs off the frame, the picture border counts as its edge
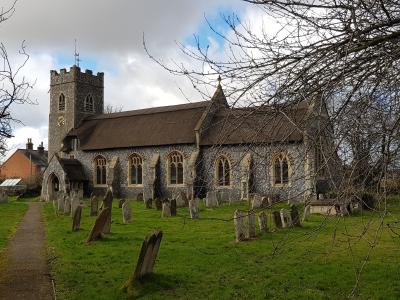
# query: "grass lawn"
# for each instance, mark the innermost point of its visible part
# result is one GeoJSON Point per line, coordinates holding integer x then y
{"type": "Point", "coordinates": [198, 259]}
{"type": "Point", "coordinates": [11, 214]}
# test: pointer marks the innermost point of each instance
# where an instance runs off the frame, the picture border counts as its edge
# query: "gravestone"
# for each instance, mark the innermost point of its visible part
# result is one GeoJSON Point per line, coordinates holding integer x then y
{"type": "Point", "coordinates": [277, 219]}
{"type": "Point", "coordinates": [158, 203]}
{"type": "Point", "coordinates": [251, 228]}
{"type": "Point", "coordinates": [107, 203]}
{"type": "Point", "coordinates": [139, 197]}
{"type": "Point", "coordinates": [262, 222]}
{"type": "Point", "coordinates": [94, 206]}
{"type": "Point", "coordinates": [256, 202]}
{"type": "Point", "coordinates": [126, 213]}
{"type": "Point", "coordinates": [183, 200]}
{"type": "Point", "coordinates": [99, 224]}
{"type": "Point", "coordinates": [306, 213]}
{"type": "Point", "coordinates": [60, 202]}
{"type": "Point", "coordinates": [211, 199]}
{"type": "Point", "coordinates": [67, 205]}
{"type": "Point", "coordinates": [294, 214]}
{"type": "Point", "coordinates": [173, 207]}
{"type": "Point", "coordinates": [149, 203]}
{"type": "Point", "coordinates": [121, 202]}
{"type": "Point", "coordinates": [264, 202]}
{"type": "Point", "coordinates": [239, 230]}
{"type": "Point", "coordinates": [285, 218]}
{"type": "Point", "coordinates": [147, 256]}
{"type": "Point", "coordinates": [166, 209]}
{"type": "Point", "coordinates": [3, 196]}
{"type": "Point", "coordinates": [74, 204]}
{"type": "Point", "coordinates": [76, 222]}
{"type": "Point", "coordinates": [193, 209]}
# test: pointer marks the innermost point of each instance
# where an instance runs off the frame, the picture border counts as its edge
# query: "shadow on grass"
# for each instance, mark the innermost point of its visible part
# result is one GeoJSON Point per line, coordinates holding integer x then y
{"type": "Point", "coordinates": [149, 284]}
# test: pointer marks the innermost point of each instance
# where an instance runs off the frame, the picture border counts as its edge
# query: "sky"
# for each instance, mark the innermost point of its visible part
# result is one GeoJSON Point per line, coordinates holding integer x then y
{"type": "Point", "coordinates": [109, 38]}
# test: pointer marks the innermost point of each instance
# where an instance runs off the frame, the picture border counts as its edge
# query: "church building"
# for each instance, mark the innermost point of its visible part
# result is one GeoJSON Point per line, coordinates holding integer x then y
{"type": "Point", "coordinates": [192, 148]}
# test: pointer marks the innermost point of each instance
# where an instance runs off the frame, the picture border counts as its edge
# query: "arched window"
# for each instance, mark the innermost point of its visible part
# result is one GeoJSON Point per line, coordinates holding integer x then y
{"type": "Point", "coordinates": [88, 103]}
{"type": "Point", "coordinates": [135, 169]}
{"type": "Point", "coordinates": [101, 170]}
{"type": "Point", "coordinates": [61, 103]}
{"type": "Point", "coordinates": [223, 171]}
{"type": "Point", "coordinates": [175, 167]}
{"type": "Point", "coordinates": [281, 170]}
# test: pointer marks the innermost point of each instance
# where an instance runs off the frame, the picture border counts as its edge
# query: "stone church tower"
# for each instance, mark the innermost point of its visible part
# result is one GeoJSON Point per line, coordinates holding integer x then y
{"type": "Point", "coordinates": [74, 95]}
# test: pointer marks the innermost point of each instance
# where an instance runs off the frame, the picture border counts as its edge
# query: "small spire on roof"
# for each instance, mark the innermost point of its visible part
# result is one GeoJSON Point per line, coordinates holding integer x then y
{"type": "Point", "coordinates": [219, 79]}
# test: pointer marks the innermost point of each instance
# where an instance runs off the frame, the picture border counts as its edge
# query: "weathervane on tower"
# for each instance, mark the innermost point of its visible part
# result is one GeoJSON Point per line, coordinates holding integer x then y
{"type": "Point", "coordinates": [76, 55]}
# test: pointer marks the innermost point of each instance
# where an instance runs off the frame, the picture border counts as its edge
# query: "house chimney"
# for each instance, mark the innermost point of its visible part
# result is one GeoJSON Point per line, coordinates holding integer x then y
{"type": "Point", "coordinates": [40, 148]}
{"type": "Point", "coordinates": [29, 144]}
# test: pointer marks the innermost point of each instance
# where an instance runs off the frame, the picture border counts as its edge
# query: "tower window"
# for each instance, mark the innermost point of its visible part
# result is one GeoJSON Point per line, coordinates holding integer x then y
{"type": "Point", "coordinates": [61, 103]}
{"type": "Point", "coordinates": [88, 105]}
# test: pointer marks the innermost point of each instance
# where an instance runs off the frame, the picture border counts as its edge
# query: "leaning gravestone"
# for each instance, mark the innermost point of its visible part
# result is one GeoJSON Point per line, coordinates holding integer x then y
{"type": "Point", "coordinates": [76, 222]}
{"type": "Point", "coordinates": [173, 207]}
{"type": "Point", "coordinates": [285, 218]}
{"type": "Point", "coordinates": [147, 256]}
{"type": "Point", "coordinates": [107, 203]}
{"type": "Point", "coordinates": [149, 203]}
{"type": "Point", "coordinates": [262, 222]}
{"type": "Point", "coordinates": [251, 232]}
{"type": "Point", "coordinates": [294, 214]}
{"type": "Point", "coordinates": [126, 213]}
{"type": "Point", "coordinates": [3, 196]}
{"type": "Point", "coordinates": [158, 203]}
{"type": "Point", "coordinates": [277, 219]}
{"type": "Point", "coordinates": [306, 214]}
{"type": "Point", "coordinates": [67, 205]}
{"type": "Point", "coordinates": [238, 221]}
{"type": "Point", "coordinates": [94, 206]}
{"type": "Point", "coordinates": [193, 209]}
{"type": "Point", "coordinates": [166, 209]}
{"type": "Point", "coordinates": [98, 226]}
{"type": "Point", "coordinates": [121, 202]}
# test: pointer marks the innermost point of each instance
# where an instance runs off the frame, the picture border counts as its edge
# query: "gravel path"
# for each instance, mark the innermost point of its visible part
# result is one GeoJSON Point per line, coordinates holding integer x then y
{"type": "Point", "coordinates": [24, 272]}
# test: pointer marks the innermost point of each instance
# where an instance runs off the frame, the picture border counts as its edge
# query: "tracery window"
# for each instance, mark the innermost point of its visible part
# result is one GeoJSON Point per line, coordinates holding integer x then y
{"type": "Point", "coordinates": [88, 105]}
{"type": "Point", "coordinates": [61, 103]}
{"type": "Point", "coordinates": [223, 171]}
{"type": "Point", "coordinates": [101, 170]}
{"type": "Point", "coordinates": [175, 168]}
{"type": "Point", "coordinates": [281, 170]}
{"type": "Point", "coordinates": [135, 169]}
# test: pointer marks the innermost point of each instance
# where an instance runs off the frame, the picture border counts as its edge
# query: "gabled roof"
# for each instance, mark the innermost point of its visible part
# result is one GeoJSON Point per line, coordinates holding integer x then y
{"type": "Point", "coordinates": [38, 158]}
{"type": "Point", "coordinates": [73, 169]}
{"type": "Point", "coordinates": [145, 127]}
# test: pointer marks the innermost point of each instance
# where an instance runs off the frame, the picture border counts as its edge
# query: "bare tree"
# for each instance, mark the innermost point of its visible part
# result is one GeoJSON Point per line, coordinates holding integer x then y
{"type": "Point", "coordinates": [14, 88]}
{"type": "Point", "coordinates": [109, 109]}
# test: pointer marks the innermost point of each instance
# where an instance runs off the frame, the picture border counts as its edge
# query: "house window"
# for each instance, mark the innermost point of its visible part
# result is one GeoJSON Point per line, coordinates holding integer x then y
{"type": "Point", "coordinates": [281, 170]}
{"type": "Point", "coordinates": [135, 169]}
{"type": "Point", "coordinates": [88, 106]}
{"type": "Point", "coordinates": [61, 103]}
{"type": "Point", "coordinates": [223, 171]}
{"type": "Point", "coordinates": [101, 170]}
{"type": "Point", "coordinates": [175, 168]}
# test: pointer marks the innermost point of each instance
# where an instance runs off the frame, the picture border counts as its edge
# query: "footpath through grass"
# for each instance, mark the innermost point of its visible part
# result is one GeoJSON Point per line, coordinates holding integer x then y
{"type": "Point", "coordinates": [11, 214]}
{"type": "Point", "coordinates": [198, 259]}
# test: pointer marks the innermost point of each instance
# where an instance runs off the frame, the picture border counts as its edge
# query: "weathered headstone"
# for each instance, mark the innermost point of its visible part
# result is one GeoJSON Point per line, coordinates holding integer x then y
{"type": "Point", "coordinates": [158, 203]}
{"type": "Point", "coordinates": [262, 222]}
{"type": "Point", "coordinates": [94, 206]}
{"type": "Point", "coordinates": [139, 197]}
{"type": "Point", "coordinates": [60, 202]}
{"type": "Point", "coordinates": [211, 199]}
{"type": "Point", "coordinates": [166, 209]}
{"type": "Point", "coordinates": [256, 202]}
{"type": "Point", "coordinates": [74, 204]}
{"type": "Point", "coordinates": [126, 213]}
{"type": "Point", "coordinates": [67, 205]}
{"type": "Point", "coordinates": [285, 218]}
{"type": "Point", "coordinates": [76, 222]}
{"type": "Point", "coordinates": [306, 213]}
{"type": "Point", "coordinates": [148, 255]}
{"type": "Point", "coordinates": [173, 207]}
{"type": "Point", "coordinates": [238, 221]}
{"type": "Point", "coordinates": [277, 219]}
{"type": "Point", "coordinates": [251, 228]}
{"type": "Point", "coordinates": [3, 196]}
{"type": "Point", "coordinates": [184, 200]}
{"type": "Point", "coordinates": [107, 203]}
{"type": "Point", "coordinates": [193, 209]}
{"type": "Point", "coordinates": [121, 202]}
{"type": "Point", "coordinates": [294, 214]}
{"type": "Point", "coordinates": [98, 226]}
{"type": "Point", "coordinates": [149, 203]}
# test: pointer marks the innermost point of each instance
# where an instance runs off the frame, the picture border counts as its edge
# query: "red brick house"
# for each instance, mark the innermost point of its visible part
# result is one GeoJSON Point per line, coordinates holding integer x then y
{"type": "Point", "coordinates": [27, 164]}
